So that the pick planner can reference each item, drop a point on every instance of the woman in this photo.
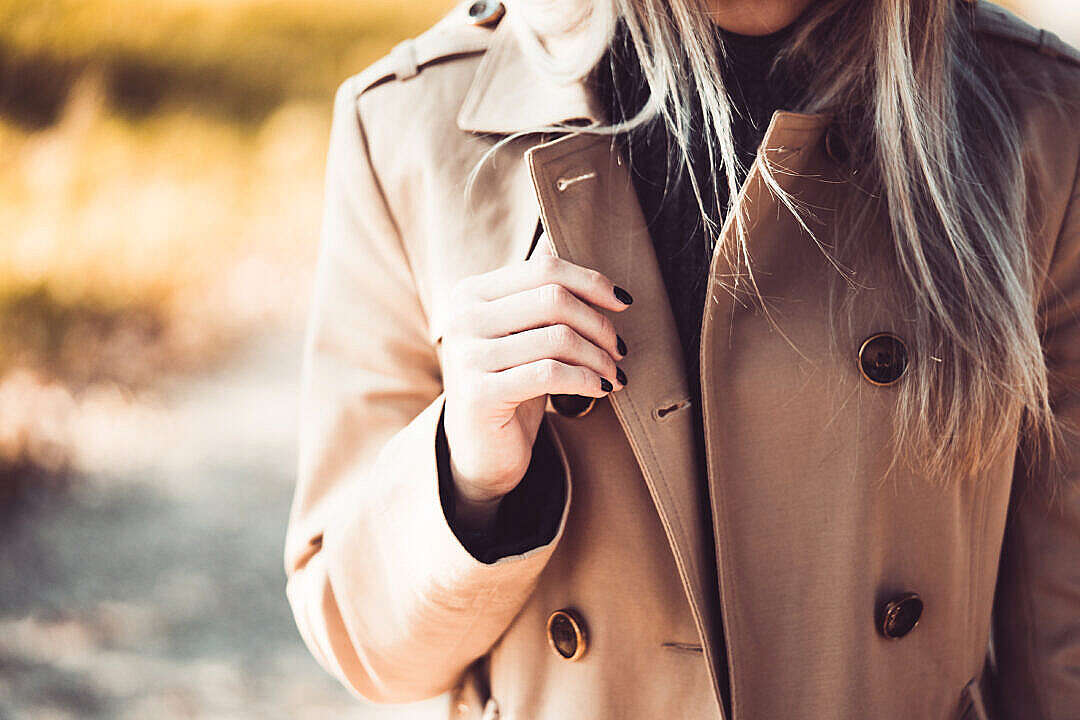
(621, 403)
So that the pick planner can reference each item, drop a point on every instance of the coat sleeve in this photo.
(528, 516)
(384, 594)
(1036, 644)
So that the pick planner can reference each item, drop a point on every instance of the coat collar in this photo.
(508, 93)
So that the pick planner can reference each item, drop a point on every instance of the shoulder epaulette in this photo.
(996, 20)
(459, 32)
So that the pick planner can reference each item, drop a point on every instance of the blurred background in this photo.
(161, 168)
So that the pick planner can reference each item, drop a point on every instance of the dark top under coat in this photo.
(664, 190)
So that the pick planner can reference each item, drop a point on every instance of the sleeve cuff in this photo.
(528, 516)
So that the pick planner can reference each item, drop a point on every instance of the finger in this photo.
(547, 305)
(558, 342)
(547, 377)
(590, 285)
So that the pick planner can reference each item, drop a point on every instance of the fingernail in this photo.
(620, 344)
(620, 375)
(606, 385)
(622, 296)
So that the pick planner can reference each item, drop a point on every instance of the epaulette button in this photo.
(486, 13)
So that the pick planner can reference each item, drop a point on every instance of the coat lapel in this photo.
(592, 217)
(508, 93)
(590, 211)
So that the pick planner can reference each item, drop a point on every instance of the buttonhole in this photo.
(662, 412)
(683, 647)
(564, 182)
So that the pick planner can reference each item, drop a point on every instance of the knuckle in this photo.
(469, 353)
(563, 296)
(459, 320)
(560, 337)
(599, 282)
(547, 265)
(461, 289)
(547, 371)
(553, 296)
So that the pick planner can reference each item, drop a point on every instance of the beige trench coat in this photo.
(811, 552)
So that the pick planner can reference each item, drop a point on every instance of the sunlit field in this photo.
(161, 184)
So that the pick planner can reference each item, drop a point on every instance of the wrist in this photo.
(473, 510)
(475, 516)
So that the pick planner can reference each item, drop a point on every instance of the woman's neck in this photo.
(755, 17)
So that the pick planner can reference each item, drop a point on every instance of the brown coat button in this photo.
(883, 357)
(566, 634)
(486, 12)
(900, 615)
(572, 405)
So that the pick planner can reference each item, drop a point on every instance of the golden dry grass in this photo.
(206, 224)
(161, 187)
(234, 57)
(189, 221)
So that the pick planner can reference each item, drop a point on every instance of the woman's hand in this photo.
(515, 335)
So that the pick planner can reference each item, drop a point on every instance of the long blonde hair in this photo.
(939, 152)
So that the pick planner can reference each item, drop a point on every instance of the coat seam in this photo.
(978, 530)
(1026, 609)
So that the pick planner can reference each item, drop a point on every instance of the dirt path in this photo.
(155, 588)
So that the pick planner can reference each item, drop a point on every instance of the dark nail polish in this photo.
(606, 385)
(620, 375)
(620, 344)
(622, 296)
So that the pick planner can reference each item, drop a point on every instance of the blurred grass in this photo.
(161, 187)
(193, 223)
(163, 160)
(238, 58)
